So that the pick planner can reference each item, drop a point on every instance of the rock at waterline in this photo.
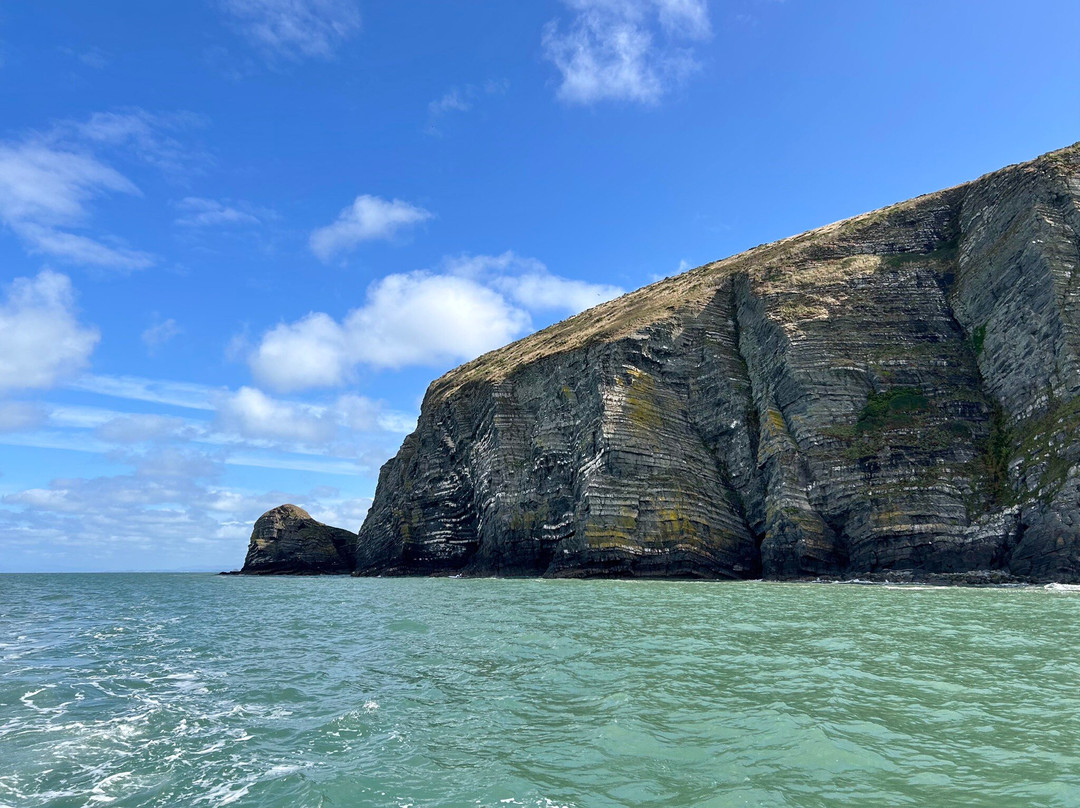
(287, 541)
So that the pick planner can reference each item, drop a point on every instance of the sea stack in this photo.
(287, 541)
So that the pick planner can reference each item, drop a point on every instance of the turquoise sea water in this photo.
(198, 690)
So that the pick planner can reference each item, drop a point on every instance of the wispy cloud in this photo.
(198, 212)
(44, 190)
(49, 181)
(17, 416)
(368, 218)
(186, 395)
(295, 29)
(457, 100)
(630, 50)
(158, 334)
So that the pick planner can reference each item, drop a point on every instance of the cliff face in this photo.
(287, 541)
(895, 391)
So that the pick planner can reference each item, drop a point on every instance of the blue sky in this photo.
(239, 237)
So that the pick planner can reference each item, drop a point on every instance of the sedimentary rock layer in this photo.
(897, 391)
(287, 541)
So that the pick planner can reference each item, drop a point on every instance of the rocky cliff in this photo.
(897, 391)
(287, 541)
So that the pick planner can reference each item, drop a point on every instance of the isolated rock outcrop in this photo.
(897, 391)
(287, 541)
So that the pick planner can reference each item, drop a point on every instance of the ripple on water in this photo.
(161, 690)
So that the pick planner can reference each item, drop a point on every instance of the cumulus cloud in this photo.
(295, 29)
(252, 413)
(311, 352)
(368, 218)
(632, 50)
(476, 304)
(41, 338)
(417, 318)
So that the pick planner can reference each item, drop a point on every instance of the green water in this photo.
(197, 690)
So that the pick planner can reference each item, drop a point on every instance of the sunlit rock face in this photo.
(897, 391)
(287, 541)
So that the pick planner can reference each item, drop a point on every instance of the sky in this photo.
(239, 238)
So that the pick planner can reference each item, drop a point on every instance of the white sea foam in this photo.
(1055, 587)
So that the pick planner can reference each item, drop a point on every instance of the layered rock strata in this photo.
(287, 541)
(898, 391)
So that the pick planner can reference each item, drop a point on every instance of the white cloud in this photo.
(44, 189)
(312, 352)
(254, 414)
(528, 282)
(168, 513)
(47, 182)
(460, 99)
(186, 395)
(198, 212)
(158, 334)
(421, 318)
(140, 133)
(141, 427)
(477, 304)
(78, 249)
(296, 29)
(687, 18)
(631, 50)
(541, 290)
(366, 219)
(51, 186)
(16, 416)
(41, 339)
(417, 318)
(451, 101)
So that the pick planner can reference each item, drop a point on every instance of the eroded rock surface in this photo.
(897, 391)
(287, 541)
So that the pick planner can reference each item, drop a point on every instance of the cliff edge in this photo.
(897, 391)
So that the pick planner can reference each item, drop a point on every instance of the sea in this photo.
(202, 690)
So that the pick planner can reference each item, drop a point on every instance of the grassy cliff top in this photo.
(877, 232)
